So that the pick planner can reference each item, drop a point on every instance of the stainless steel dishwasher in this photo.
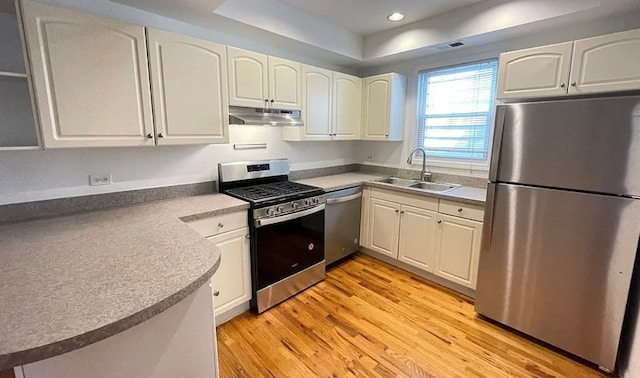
(342, 223)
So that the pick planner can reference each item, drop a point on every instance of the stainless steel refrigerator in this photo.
(563, 222)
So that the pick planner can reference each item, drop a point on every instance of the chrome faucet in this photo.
(425, 174)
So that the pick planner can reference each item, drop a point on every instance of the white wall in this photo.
(38, 175)
(395, 154)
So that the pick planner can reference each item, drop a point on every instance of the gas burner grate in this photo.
(264, 192)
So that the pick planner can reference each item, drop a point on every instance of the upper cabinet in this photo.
(607, 63)
(248, 78)
(383, 110)
(347, 107)
(189, 86)
(285, 84)
(261, 81)
(536, 72)
(91, 78)
(331, 107)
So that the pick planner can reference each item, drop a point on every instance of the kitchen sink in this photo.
(433, 186)
(397, 181)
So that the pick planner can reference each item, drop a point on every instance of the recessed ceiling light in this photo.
(395, 16)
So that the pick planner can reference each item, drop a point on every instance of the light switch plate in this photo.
(100, 180)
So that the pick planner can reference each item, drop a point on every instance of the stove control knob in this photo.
(279, 209)
(294, 205)
(315, 201)
(270, 211)
(307, 202)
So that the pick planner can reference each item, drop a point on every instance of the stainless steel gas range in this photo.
(286, 223)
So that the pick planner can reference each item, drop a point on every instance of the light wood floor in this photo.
(368, 319)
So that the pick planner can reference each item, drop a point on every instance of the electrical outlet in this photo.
(100, 179)
(369, 158)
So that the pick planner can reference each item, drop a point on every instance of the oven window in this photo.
(286, 248)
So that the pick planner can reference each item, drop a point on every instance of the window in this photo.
(455, 111)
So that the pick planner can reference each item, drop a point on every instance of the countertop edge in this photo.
(64, 346)
(444, 196)
(209, 214)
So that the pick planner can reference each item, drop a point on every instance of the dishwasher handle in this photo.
(333, 201)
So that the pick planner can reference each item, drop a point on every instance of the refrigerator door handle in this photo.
(489, 218)
(501, 111)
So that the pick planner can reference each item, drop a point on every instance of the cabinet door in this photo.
(189, 85)
(457, 250)
(377, 97)
(248, 78)
(417, 237)
(91, 78)
(232, 281)
(384, 225)
(347, 107)
(537, 72)
(285, 89)
(316, 103)
(606, 64)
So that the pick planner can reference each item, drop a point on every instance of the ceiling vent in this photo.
(449, 46)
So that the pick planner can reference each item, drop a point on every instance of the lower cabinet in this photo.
(457, 249)
(232, 281)
(436, 236)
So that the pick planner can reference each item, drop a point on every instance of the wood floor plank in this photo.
(370, 319)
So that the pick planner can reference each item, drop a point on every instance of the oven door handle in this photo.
(265, 222)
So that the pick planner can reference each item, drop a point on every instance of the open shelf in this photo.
(13, 74)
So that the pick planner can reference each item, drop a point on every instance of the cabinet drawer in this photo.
(219, 224)
(458, 209)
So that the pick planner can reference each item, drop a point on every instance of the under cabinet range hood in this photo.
(239, 115)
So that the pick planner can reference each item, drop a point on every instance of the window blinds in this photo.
(455, 110)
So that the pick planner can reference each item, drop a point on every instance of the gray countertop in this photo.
(464, 194)
(71, 281)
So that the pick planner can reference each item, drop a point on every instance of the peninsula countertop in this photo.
(68, 282)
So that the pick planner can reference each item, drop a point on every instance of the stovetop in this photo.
(273, 192)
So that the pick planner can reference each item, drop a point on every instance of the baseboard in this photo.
(232, 313)
(419, 272)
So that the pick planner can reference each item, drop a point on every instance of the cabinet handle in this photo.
(397, 211)
(439, 222)
(272, 101)
(574, 84)
(150, 136)
(220, 225)
(562, 85)
(160, 135)
(402, 212)
(216, 292)
(459, 209)
(247, 236)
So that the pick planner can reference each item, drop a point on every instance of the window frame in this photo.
(454, 165)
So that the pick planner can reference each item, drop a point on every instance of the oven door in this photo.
(288, 244)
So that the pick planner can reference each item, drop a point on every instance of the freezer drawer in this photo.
(557, 265)
(342, 223)
(588, 145)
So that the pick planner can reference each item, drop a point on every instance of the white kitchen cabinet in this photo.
(232, 281)
(331, 107)
(347, 107)
(384, 226)
(383, 109)
(189, 86)
(457, 250)
(285, 84)
(91, 78)
(248, 78)
(417, 237)
(535, 72)
(316, 105)
(608, 63)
